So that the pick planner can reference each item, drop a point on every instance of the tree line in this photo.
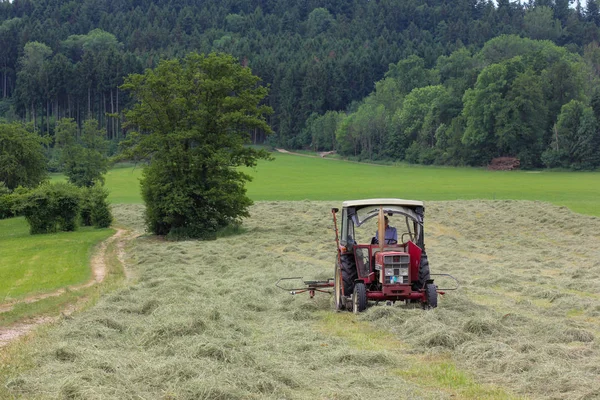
(515, 97)
(80, 82)
(67, 59)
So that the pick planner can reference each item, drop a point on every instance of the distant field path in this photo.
(98, 264)
(284, 151)
(321, 154)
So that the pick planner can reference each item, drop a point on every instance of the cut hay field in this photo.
(204, 320)
(292, 177)
(33, 264)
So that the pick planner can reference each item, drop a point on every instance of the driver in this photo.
(391, 235)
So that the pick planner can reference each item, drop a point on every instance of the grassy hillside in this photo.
(205, 321)
(292, 177)
(32, 264)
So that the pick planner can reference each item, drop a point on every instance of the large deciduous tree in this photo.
(22, 160)
(506, 113)
(576, 141)
(194, 117)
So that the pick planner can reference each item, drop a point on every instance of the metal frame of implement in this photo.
(309, 286)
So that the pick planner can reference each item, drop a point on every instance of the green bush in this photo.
(554, 158)
(52, 207)
(4, 189)
(86, 211)
(22, 158)
(5, 202)
(11, 201)
(6, 206)
(95, 210)
(421, 154)
(186, 209)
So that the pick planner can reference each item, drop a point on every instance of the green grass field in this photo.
(292, 177)
(31, 264)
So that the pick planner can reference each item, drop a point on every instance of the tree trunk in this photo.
(103, 114)
(118, 117)
(112, 112)
(48, 117)
(333, 141)
(33, 114)
(4, 79)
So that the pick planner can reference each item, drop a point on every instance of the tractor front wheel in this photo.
(359, 298)
(430, 296)
(337, 287)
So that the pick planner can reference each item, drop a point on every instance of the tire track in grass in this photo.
(430, 372)
(98, 265)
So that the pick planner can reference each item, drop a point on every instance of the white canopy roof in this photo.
(382, 202)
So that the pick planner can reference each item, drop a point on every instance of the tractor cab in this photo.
(381, 254)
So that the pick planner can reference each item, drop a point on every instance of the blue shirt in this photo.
(390, 234)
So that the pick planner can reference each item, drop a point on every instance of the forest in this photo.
(436, 81)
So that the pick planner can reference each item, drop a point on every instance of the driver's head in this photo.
(386, 223)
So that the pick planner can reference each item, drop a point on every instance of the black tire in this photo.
(337, 287)
(359, 298)
(349, 273)
(431, 295)
(423, 271)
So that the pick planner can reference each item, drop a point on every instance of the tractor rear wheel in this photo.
(359, 298)
(423, 271)
(349, 273)
(431, 296)
(337, 287)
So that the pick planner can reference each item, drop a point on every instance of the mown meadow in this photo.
(203, 320)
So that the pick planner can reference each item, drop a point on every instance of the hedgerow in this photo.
(63, 206)
(95, 210)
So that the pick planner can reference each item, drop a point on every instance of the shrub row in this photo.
(94, 207)
(10, 200)
(57, 207)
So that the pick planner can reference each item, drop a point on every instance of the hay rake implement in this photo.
(308, 286)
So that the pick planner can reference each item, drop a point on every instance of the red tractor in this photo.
(376, 263)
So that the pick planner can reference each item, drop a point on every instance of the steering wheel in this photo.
(374, 240)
